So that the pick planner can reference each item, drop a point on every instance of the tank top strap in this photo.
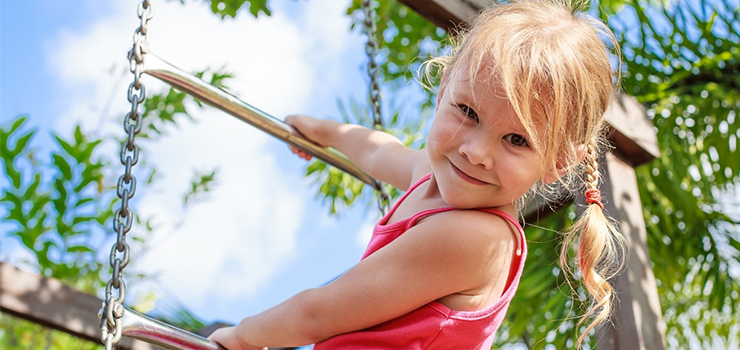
(387, 216)
(421, 181)
(418, 216)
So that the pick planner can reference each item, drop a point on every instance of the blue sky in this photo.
(261, 236)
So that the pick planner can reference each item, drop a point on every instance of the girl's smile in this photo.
(467, 177)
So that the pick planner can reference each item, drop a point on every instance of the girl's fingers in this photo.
(300, 153)
(305, 155)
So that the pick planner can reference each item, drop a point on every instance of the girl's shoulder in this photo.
(473, 225)
(485, 220)
(472, 251)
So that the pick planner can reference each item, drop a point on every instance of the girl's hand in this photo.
(308, 128)
(227, 338)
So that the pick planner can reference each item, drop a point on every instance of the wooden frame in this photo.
(53, 304)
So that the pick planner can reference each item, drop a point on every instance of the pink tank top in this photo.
(432, 326)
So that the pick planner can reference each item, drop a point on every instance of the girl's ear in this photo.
(552, 176)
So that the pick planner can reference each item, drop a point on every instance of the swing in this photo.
(117, 320)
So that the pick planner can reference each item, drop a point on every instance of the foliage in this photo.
(56, 213)
(340, 190)
(230, 8)
(399, 58)
(60, 207)
(19, 334)
(543, 311)
(684, 65)
(405, 40)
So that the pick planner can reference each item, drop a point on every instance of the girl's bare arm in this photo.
(431, 260)
(381, 155)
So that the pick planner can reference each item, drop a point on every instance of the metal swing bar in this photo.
(155, 332)
(227, 102)
(139, 326)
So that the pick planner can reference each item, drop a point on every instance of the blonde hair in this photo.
(551, 60)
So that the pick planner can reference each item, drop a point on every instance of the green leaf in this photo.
(81, 219)
(60, 202)
(66, 146)
(15, 176)
(22, 142)
(83, 201)
(63, 166)
(80, 249)
(734, 243)
(18, 123)
(231, 7)
(78, 136)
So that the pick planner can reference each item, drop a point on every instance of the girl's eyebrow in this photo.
(456, 93)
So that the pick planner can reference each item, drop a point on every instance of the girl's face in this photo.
(479, 150)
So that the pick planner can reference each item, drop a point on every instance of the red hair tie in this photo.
(594, 197)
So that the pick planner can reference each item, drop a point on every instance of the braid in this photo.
(601, 249)
(593, 194)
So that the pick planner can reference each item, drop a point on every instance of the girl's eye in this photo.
(469, 112)
(516, 140)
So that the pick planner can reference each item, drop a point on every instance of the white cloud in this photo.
(235, 241)
(364, 233)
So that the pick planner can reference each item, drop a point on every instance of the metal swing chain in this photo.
(112, 312)
(371, 49)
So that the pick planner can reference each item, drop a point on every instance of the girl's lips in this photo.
(467, 177)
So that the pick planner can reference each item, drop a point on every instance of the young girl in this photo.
(519, 107)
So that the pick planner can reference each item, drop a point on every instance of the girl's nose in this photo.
(478, 152)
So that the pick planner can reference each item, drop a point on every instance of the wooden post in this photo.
(637, 321)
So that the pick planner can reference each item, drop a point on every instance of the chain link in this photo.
(112, 311)
(371, 49)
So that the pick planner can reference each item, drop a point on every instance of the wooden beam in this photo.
(634, 137)
(51, 303)
(447, 14)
